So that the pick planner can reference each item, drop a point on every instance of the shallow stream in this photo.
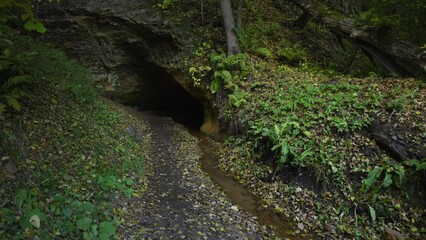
(238, 194)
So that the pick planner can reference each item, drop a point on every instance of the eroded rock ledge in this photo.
(135, 54)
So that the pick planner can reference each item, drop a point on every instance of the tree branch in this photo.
(399, 57)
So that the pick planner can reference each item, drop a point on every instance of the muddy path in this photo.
(182, 202)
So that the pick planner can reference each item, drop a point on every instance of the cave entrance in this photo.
(161, 95)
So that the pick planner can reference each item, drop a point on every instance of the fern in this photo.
(12, 92)
(227, 70)
(238, 98)
(2, 109)
(215, 85)
(25, 62)
(5, 63)
(420, 165)
(17, 80)
(13, 103)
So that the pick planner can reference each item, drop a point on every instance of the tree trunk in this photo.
(399, 57)
(229, 24)
(202, 11)
(240, 13)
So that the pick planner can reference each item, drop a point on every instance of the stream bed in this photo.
(239, 194)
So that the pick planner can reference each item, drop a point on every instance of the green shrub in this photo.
(66, 217)
(252, 38)
(67, 193)
(293, 53)
(294, 113)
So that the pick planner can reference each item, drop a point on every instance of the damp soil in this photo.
(181, 201)
(239, 194)
(188, 195)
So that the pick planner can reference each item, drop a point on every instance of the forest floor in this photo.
(181, 201)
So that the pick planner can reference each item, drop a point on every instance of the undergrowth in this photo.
(64, 154)
(319, 125)
(310, 121)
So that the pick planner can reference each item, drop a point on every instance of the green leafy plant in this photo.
(204, 48)
(198, 73)
(419, 165)
(27, 15)
(165, 4)
(111, 183)
(28, 214)
(372, 212)
(228, 71)
(238, 97)
(401, 100)
(25, 63)
(284, 139)
(254, 37)
(68, 198)
(293, 53)
(13, 91)
(289, 117)
(68, 215)
(388, 15)
(220, 76)
(264, 52)
(388, 173)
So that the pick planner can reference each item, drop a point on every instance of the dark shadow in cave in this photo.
(161, 95)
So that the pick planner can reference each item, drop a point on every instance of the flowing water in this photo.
(238, 194)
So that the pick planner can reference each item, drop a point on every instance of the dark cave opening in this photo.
(161, 95)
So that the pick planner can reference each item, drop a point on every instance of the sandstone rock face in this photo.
(135, 54)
